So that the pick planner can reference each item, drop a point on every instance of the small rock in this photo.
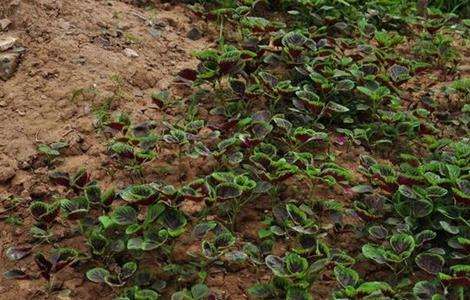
(3, 104)
(194, 34)
(85, 147)
(124, 27)
(155, 32)
(38, 191)
(87, 109)
(7, 43)
(84, 125)
(130, 53)
(8, 168)
(190, 207)
(172, 22)
(79, 60)
(65, 25)
(161, 23)
(139, 94)
(64, 294)
(4, 23)
(8, 65)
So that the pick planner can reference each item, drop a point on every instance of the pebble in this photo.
(161, 23)
(194, 34)
(8, 168)
(130, 53)
(139, 94)
(7, 43)
(155, 32)
(4, 23)
(8, 65)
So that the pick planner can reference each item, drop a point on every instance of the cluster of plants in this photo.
(420, 226)
(303, 107)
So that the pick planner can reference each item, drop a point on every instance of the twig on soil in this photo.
(36, 137)
(142, 18)
(68, 132)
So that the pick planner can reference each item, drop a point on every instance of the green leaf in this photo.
(430, 262)
(135, 243)
(337, 107)
(38, 209)
(133, 228)
(433, 178)
(98, 243)
(146, 294)
(106, 221)
(453, 171)
(294, 40)
(449, 228)
(76, 208)
(424, 236)
(262, 291)
(378, 232)
(199, 291)
(295, 264)
(365, 90)
(224, 240)
(93, 193)
(294, 293)
(406, 192)
(97, 275)
(373, 287)
(402, 244)
(154, 211)
(276, 264)
(16, 274)
(139, 194)
(460, 269)
(414, 208)
(399, 73)
(181, 295)
(346, 276)
(345, 85)
(436, 191)
(362, 189)
(424, 290)
(228, 191)
(374, 252)
(174, 221)
(45, 149)
(128, 269)
(124, 215)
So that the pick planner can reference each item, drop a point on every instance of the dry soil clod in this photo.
(130, 53)
(8, 65)
(7, 42)
(7, 168)
(4, 24)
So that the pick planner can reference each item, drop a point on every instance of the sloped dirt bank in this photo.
(76, 56)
